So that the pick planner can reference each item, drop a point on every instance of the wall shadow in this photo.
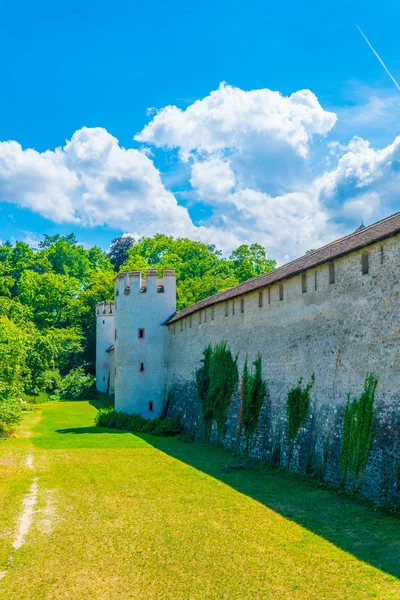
(350, 524)
(82, 430)
(353, 525)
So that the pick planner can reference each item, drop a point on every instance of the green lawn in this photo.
(125, 516)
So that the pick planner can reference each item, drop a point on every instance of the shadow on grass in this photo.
(354, 526)
(97, 403)
(81, 430)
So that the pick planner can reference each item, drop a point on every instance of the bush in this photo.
(216, 380)
(51, 380)
(10, 414)
(358, 430)
(112, 419)
(298, 403)
(39, 399)
(76, 385)
(253, 393)
(169, 427)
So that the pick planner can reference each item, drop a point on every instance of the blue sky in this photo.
(286, 168)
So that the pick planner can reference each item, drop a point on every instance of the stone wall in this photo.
(339, 331)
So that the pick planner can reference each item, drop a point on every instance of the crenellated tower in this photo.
(104, 341)
(142, 307)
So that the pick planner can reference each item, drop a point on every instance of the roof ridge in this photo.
(317, 257)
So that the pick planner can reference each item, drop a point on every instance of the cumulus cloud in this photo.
(259, 138)
(364, 178)
(91, 181)
(227, 116)
(249, 155)
(213, 178)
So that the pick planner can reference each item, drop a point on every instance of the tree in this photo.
(53, 298)
(251, 261)
(118, 253)
(49, 240)
(12, 356)
(200, 269)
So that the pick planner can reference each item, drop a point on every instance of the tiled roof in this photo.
(355, 241)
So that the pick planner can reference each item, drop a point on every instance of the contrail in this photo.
(378, 57)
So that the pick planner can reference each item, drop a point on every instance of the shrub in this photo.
(112, 419)
(203, 386)
(169, 427)
(10, 414)
(216, 381)
(298, 403)
(39, 399)
(76, 385)
(253, 393)
(51, 380)
(358, 430)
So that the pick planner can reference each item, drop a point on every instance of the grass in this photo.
(151, 518)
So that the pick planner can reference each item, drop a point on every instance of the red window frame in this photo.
(141, 367)
(150, 405)
(140, 333)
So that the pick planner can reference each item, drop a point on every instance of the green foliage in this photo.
(119, 247)
(166, 427)
(298, 403)
(167, 404)
(10, 414)
(251, 261)
(48, 297)
(203, 386)
(358, 430)
(76, 385)
(253, 392)
(216, 380)
(40, 398)
(12, 357)
(200, 268)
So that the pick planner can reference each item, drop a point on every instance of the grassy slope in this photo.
(149, 518)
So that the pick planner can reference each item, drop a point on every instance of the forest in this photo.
(48, 296)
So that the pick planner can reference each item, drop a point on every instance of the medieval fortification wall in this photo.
(340, 331)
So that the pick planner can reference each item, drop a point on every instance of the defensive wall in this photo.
(333, 313)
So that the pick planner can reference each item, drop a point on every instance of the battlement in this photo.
(132, 282)
(105, 308)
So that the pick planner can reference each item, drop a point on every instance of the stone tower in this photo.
(142, 307)
(104, 340)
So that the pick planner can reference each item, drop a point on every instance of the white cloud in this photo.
(213, 178)
(39, 181)
(286, 225)
(259, 139)
(364, 178)
(91, 181)
(229, 116)
(249, 155)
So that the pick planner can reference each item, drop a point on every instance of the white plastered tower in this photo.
(104, 341)
(142, 307)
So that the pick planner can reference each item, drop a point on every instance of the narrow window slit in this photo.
(331, 272)
(365, 263)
